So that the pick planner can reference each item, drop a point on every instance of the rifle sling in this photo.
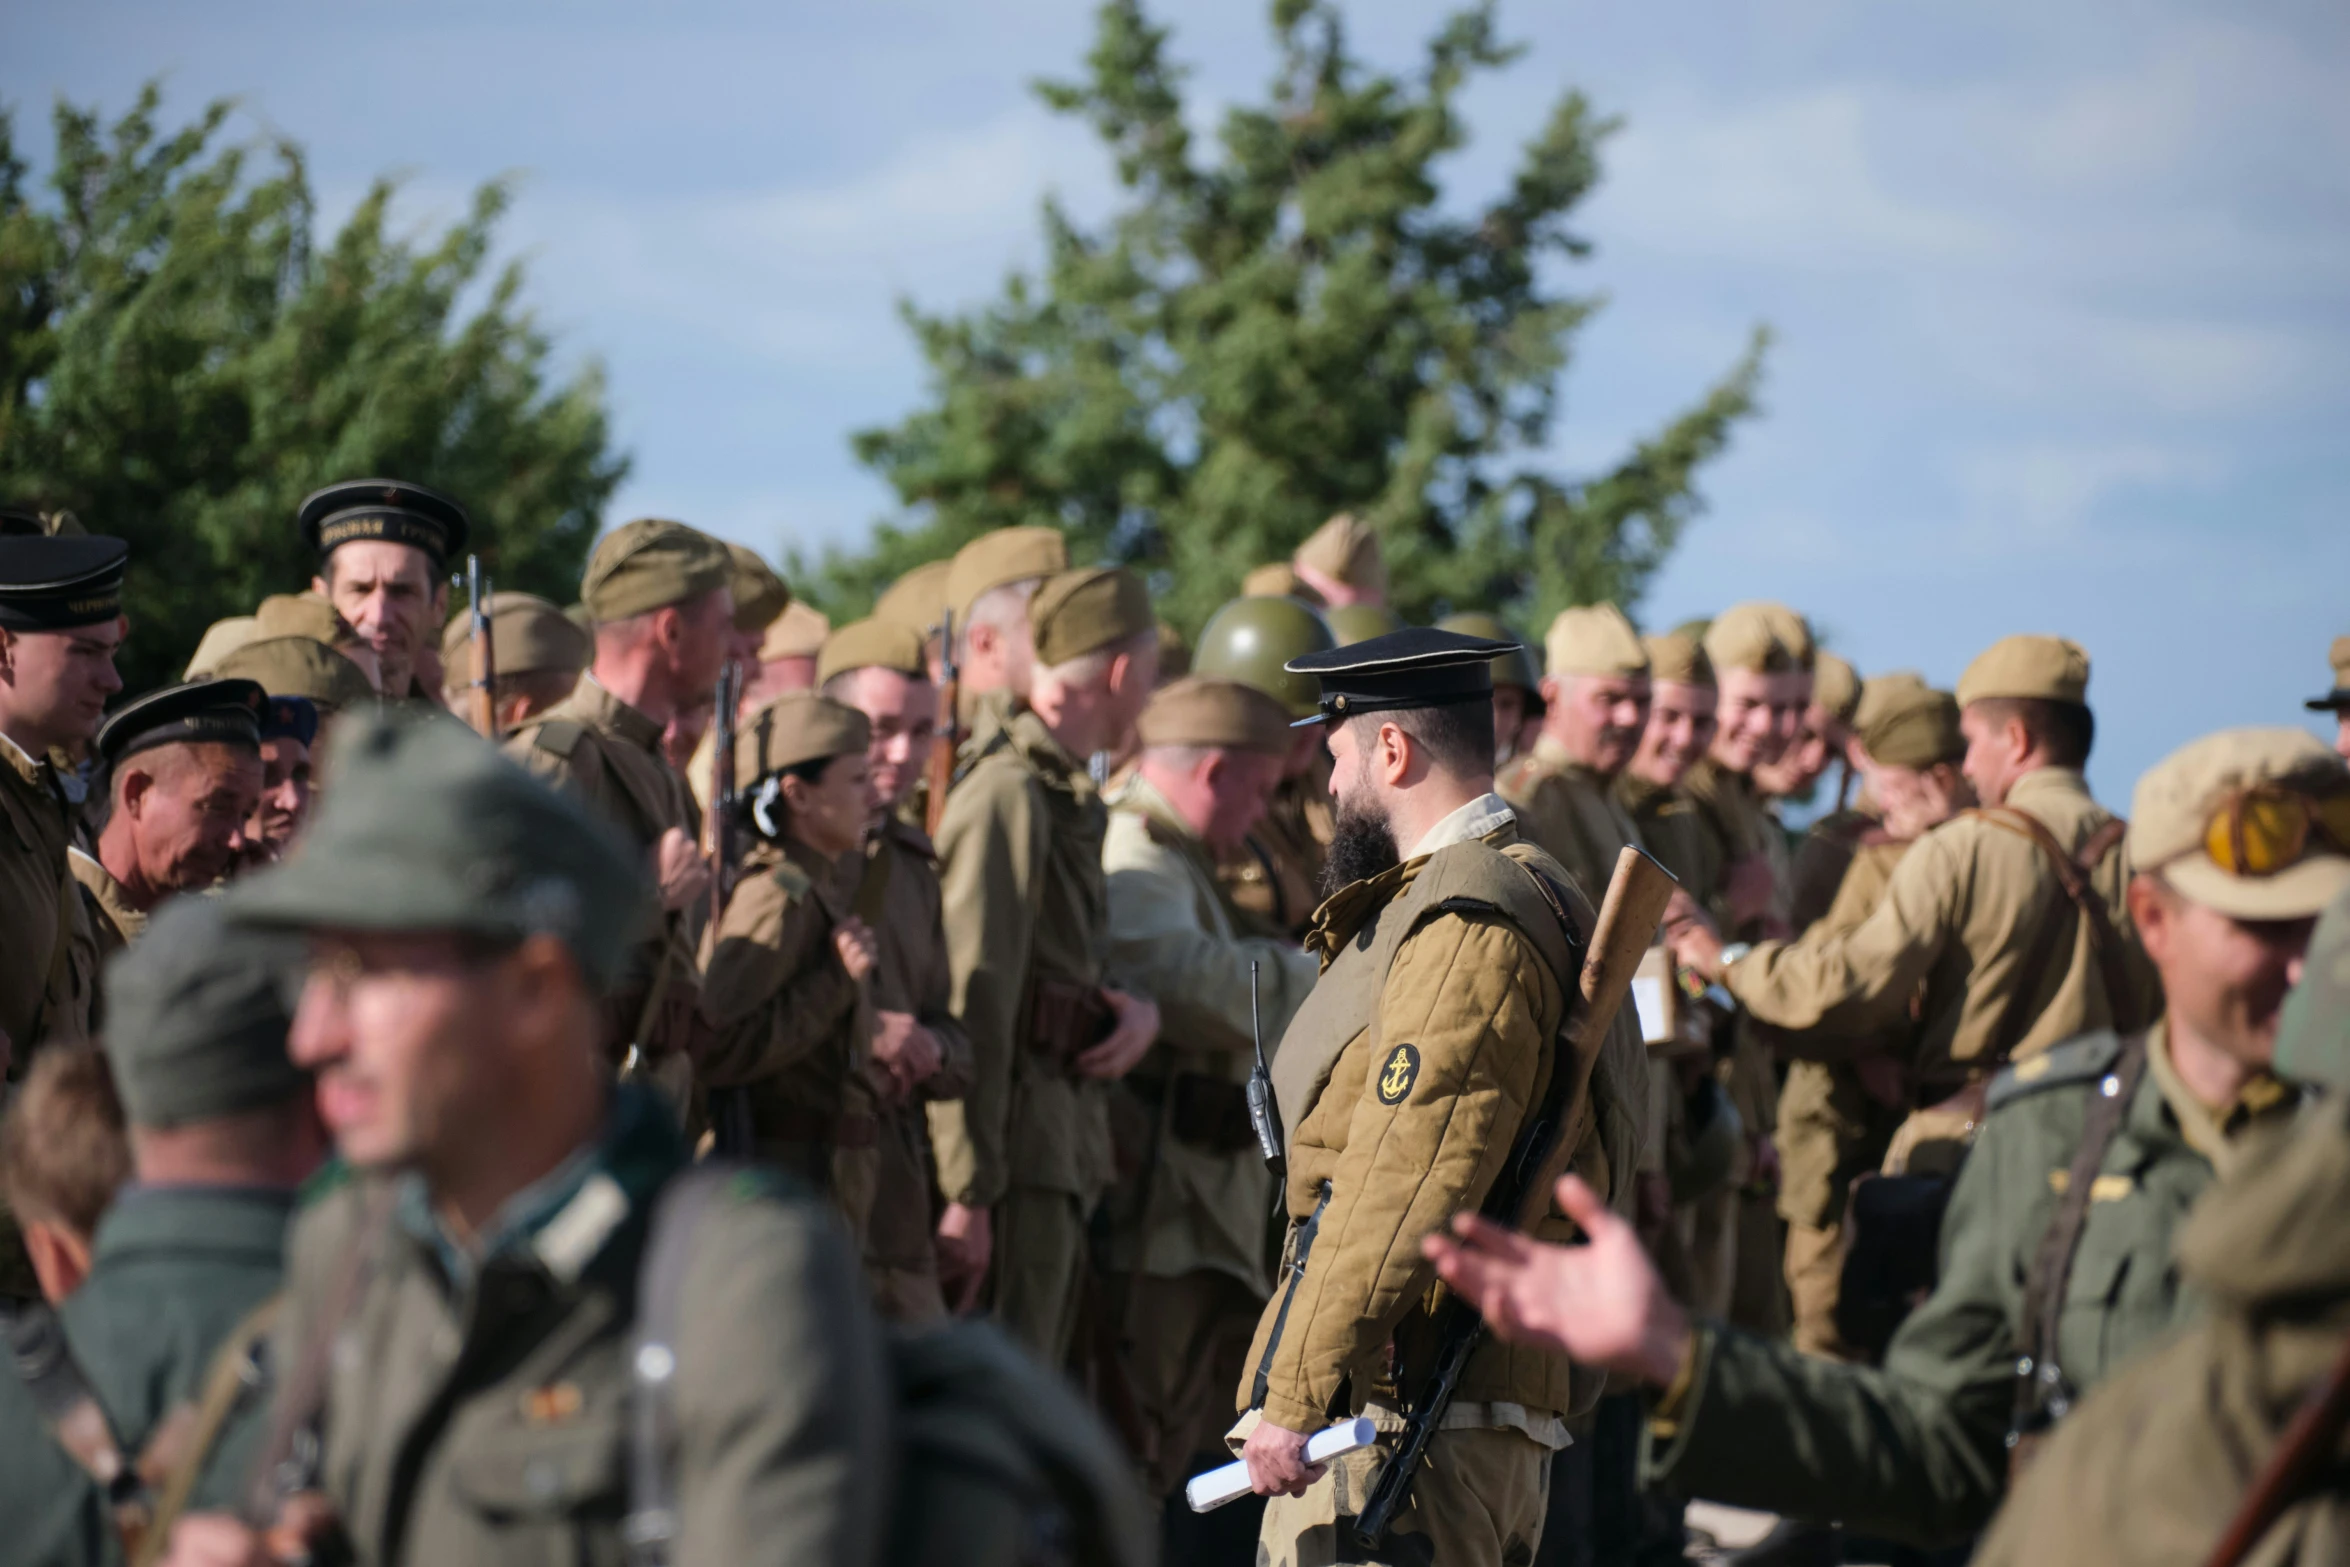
(2072, 875)
(235, 1378)
(1300, 1250)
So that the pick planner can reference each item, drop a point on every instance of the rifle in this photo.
(718, 825)
(2301, 1454)
(941, 776)
(485, 661)
(1521, 1194)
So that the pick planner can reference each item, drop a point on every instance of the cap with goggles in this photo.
(2252, 823)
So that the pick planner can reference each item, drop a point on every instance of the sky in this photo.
(2060, 293)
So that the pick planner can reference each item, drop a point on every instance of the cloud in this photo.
(2048, 496)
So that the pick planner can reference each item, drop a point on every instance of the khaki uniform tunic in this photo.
(1570, 812)
(1272, 881)
(39, 910)
(109, 923)
(599, 749)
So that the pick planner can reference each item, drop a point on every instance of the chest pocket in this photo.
(544, 1489)
(2123, 1287)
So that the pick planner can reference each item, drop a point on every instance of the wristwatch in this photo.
(1734, 951)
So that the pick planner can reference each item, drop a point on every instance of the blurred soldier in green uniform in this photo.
(918, 1049)
(1027, 934)
(164, 1339)
(1187, 1239)
(466, 1303)
(787, 998)
(2056, 1249)
(2161, 1460)
(2337, 701)
(661, 597)
(384, 548)
(1272, 880)
(1596, 696)
(1517, 684)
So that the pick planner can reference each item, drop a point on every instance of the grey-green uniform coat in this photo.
(1917, 1450)
(477, 1410)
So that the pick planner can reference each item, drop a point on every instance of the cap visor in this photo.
(2332, 702)
(2298, 892)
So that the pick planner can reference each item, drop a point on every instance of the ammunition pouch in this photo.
(1065, 1021)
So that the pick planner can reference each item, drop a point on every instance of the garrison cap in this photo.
(1835, 686)
(527, 634)
(424, 827)
(301, 615)
(2045, 669)
(197, 1012)
(1346, 548)
(32, 523)
(2338, 699)
(1081, 612)
(290, 718)
(2313, 1035)
(1000, 556)
(50, 583)
(1878, 690)
(1594, 639)
(1278, 580)
(1679, 658)
(874, 643)
(798, 632)
(1252, 640)
(1351, 623)
(220, 639)
(1174, 653)
(391, 510)
(1759, 636)
(917, 600)
(1913, 727)
(1206, 710)
(1418, 666)
(2178, 801)
(759, 594)
(300, 666)
(199, 712)
(651, 564)
(1515, 668)
(797, 727)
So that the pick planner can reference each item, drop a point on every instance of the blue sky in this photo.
(2062, 292)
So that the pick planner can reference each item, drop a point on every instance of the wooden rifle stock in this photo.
(2307, 1446)
(940, 776)
(483, 694)
(718, 822)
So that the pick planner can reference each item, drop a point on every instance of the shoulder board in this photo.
(559, 736)
(329, 1178)
(1524, 770)
(796, 883)
(2079, 1060)
(912, 838)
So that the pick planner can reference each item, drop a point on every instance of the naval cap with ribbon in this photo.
(199, 712)
(1418, 666)
(392, 511)
(52, 583)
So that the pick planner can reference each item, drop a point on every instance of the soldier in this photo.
(785, 996)
(2162, 1460)
(182, 774)
(1447, 974)
(2056, 1247)
(1820, 737)
(1828, 847)
(61, 625)
(1271, 880)
(308, 615)
(1677, 736)
(2338, 699)
(786, 654)
(536, 655)
(220, 639)
(465, 1302)
(1762, 656)
(1341, 562)
(1596, 705)
(918, 602)
(1027, 931)
(1187, 1239)
(164, 1337)
(289, 728)
(303, 667)
(384, 548)
(989, 586)
(881, 669)
(663, 607)
(1518, 705)
(63, 1155)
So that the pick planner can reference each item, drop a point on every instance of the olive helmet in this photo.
(1514, 668)
(1250, 639)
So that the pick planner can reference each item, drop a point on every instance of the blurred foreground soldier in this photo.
(1027, 922)
(2056, 1250)
(462, 1311)
(785, 972)
(1271, 880)
(182, 768)
(1341, 561)
(664, 617)
(60, 626)
(1596, 706)
(384, 548)
(2163, 1461)
(919, 1052)
(166, 1336)
(989, 587)
(1518, 705)
(289, 730)
(536, 655)
(1187, 1242)
(1447, 972)
(2337, 700)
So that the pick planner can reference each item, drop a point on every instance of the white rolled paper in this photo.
(1207, 1492)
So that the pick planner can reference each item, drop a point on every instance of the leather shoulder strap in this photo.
(2105, 943)
(178, 1451)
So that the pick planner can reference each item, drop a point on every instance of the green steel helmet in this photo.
(1352, 623)
(1250, 639)
(1514, 668)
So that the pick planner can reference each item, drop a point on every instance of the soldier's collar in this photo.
(2216, 1132)
(1351, 907)
(26, 765)
(628, 723)
(1479, 818)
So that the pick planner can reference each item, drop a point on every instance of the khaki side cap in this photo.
(1914, 727)
(798, 632)
(1001, 556)
(1347, 548)
(1204, 710)
(1594, 639)
(527, 634)
(298, 666)
(1761, 637)
(874, 643)
(2032, 668)
(2176, 799)
(1081, 612)
(651, 564)
(1835, 687)
(1679, 659)
(797, 727)
(917, 600)
(759, 594)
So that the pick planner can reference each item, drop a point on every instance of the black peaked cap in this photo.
(1418, 666)
(54, 583)
(221, 712)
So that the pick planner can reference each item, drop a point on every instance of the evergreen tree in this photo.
(180, 365)
(1292, 326)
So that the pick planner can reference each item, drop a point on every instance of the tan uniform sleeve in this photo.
(1859, 979)
(934, 1010)
(991, 856)
(1475, 1000)
(772, 987)
(1199, 979)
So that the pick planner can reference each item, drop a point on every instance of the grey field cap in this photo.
(197, 1012)
(423, 826)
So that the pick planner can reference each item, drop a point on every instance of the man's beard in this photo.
(1362, 846)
